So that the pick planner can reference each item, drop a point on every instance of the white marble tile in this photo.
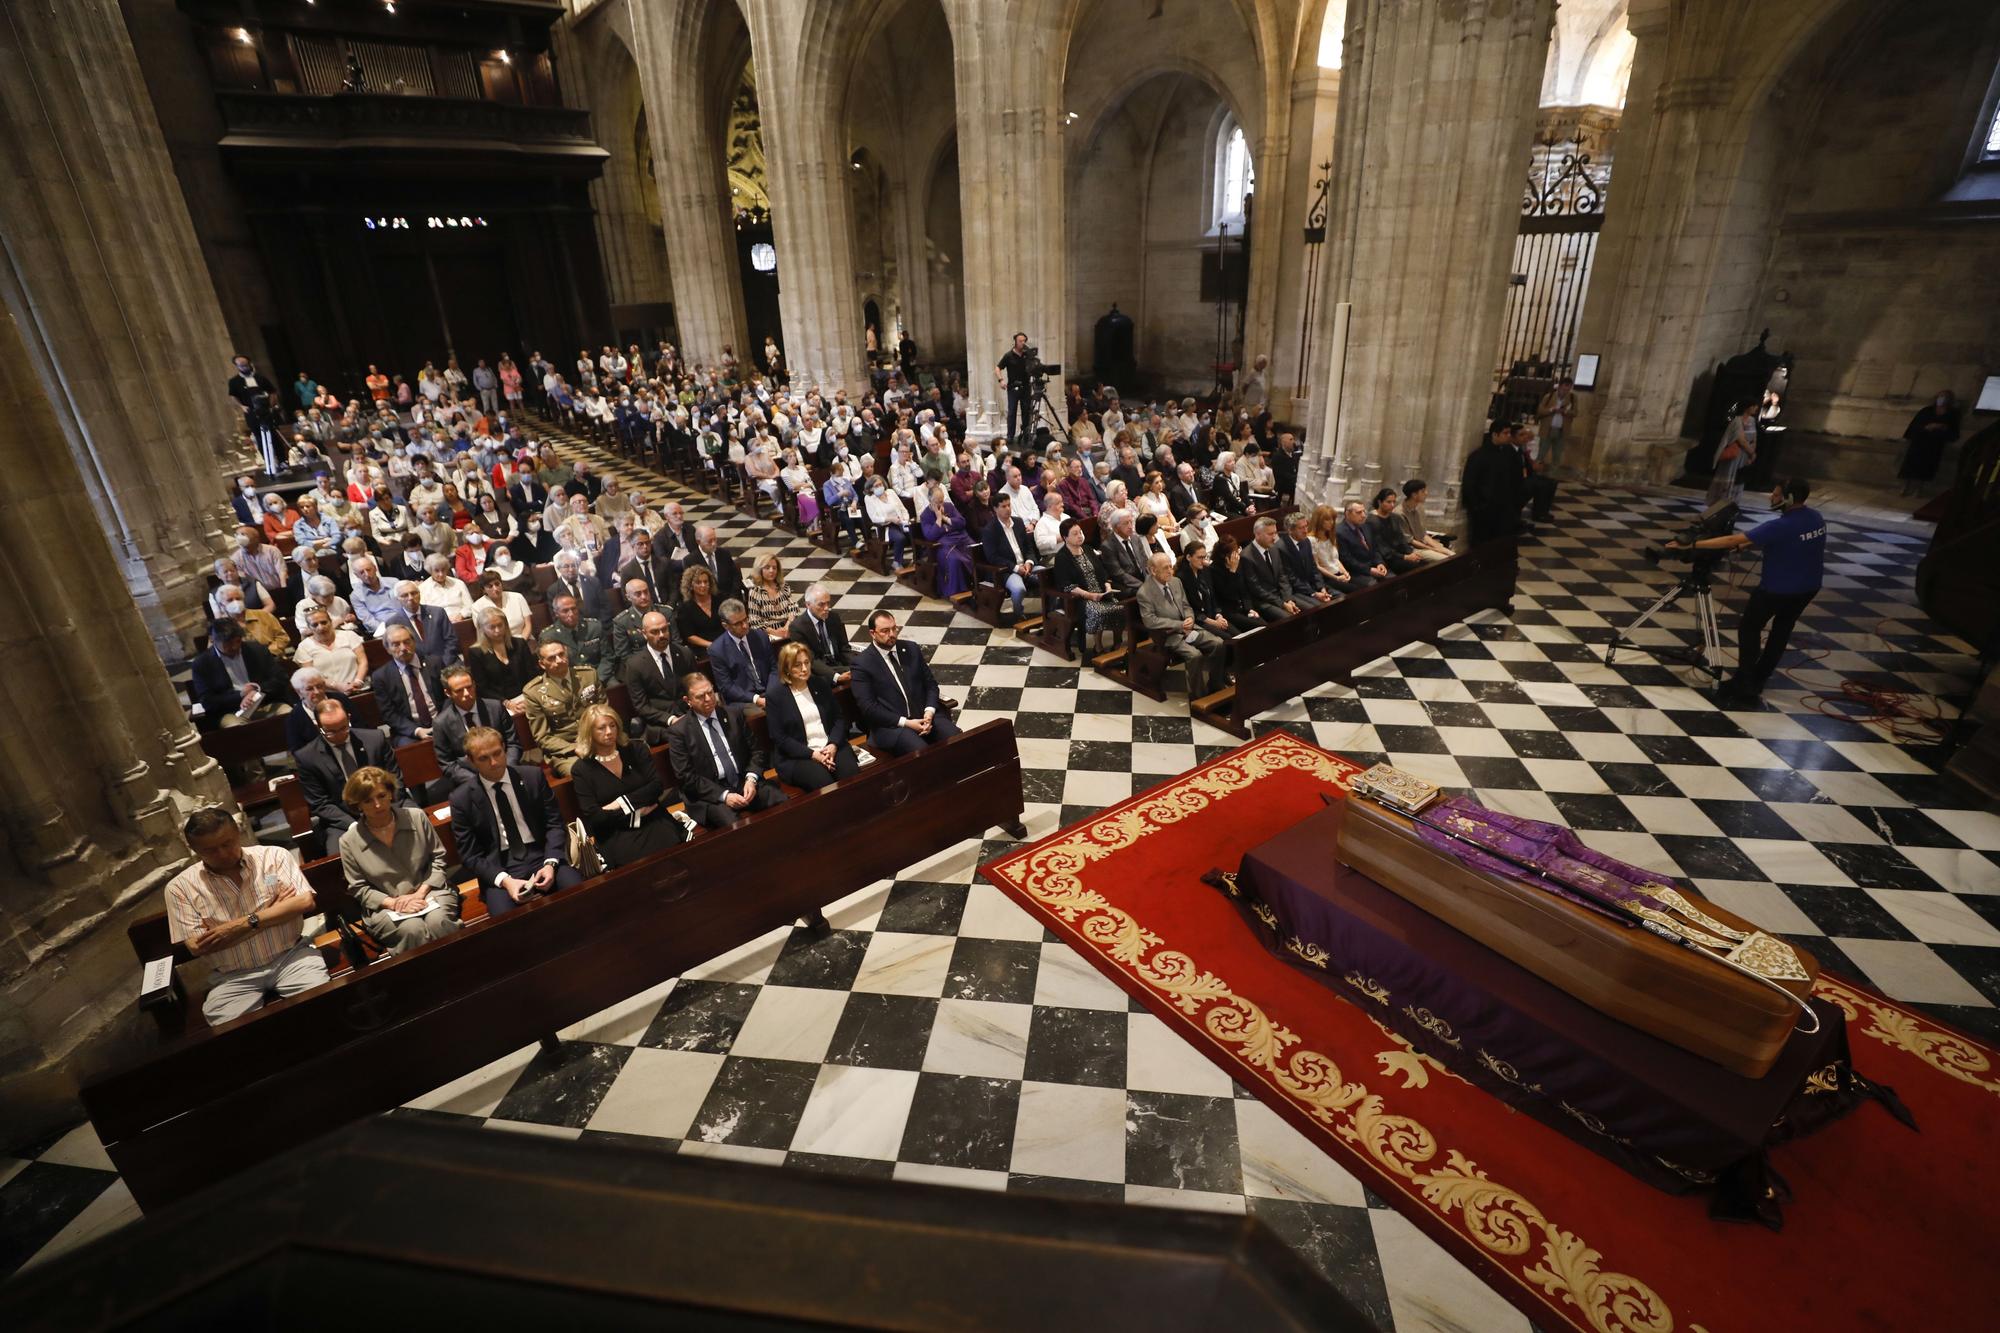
(1083, 787)
(1878, 756)
(749, 963)
(79, 1147)
(621, 1024)
(1439, 769)
(1043, 752)
(991, 915)
(1202, 1201)
(100, 1217)
(1485, 742)
(1522, 803)
(733, 1152)
(1519, 717)
(1003, 677)
(1281, 1163)
(1066, 979)
(1739, 752)
(1159, 1059)
(1074, 1132)
(480, 1091)
(1341, 737)
(1758, 902)
(1097, 726)
(538, 1131)
(964, 1177)
(856, 1112)
(1908, 970)
(1671, 815)
(1042, 700)
(1606, 747)
(1396, 713)
(1565, 775)
(1701, 782)
(979, 1037)
(1165, 759)
(1555, 694)
(1936, 918)
(859, 910)
(899, 964)
(1771, 727)
(1824, 823)
(1641, 722)
(1439, 689)
(1853, 789)
(657, 1093)
(1431, 1292)
(1975, 828)
(1638, 848)
(790, 1023)
(1787, 862)
(1956, 869)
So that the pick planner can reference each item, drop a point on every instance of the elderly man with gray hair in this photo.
(823, 635)
(1164, 611)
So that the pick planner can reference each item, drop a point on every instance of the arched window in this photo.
(1235, 177)
(1991, 153)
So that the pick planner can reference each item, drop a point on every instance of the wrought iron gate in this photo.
(1562, 211)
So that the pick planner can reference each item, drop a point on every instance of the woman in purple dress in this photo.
(944, 526)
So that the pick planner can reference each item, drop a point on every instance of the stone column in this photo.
(117, 313)
(812, 221)
(672, 40)
(97, 760)
(625, 202)
(1009, 64)
(1437, 112)
(1314, 102)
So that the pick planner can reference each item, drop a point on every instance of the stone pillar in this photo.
(97, 760)
(1314, 102)
(117, 314)
(1437, 113)
(629, 236)
(1009, 64)
(671, 42)
(812, 219)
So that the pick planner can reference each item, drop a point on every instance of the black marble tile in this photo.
(1052, 678)
(1000, 970)
(701, 1016)
(1337, 1242)
(958, 1120)
(29, 1149)
(1070, 814)
(1847, 912)
(1615, 696)
(956, 675)
(1423, 668)
(1044, 726)
(1977, 963)
(755, 1103)
(1571, 718)
(1006, 654)
(1043, 785)
(1634, 779)
(1084, 1046)
(1177, 1141)
(1104, 701)
(1747, 819)
(1494, 692)
(1647, 673)
(1162, 730)
(563, 1087)
(830, 961)
(1540, 744)
(1409, 740)
(1456, 713)
(994, 698)
(921, 908)
(1875, 867)
(1811, 756)
(1836, 728)
(1596, 811)
(1779, 784)
(826, 1165)
(1701, 856)
(961, 635)
(1929, 791)
(39, 1201)
(1101, 756)
(1985, 904)
(1672, 750)
(1323, 709)
(1099, 1191)
(1383, 687)
(1536, 672)
(883, 1031)
(1705, 724)
(1496, 772)
(1464, 650)
(1903, 827)
(1208, 754)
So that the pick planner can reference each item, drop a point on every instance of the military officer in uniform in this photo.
(628, 632)
(555, 701)
(583, 635)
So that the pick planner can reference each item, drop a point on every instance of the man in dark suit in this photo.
(508, 829)
(246, 383)
(1007, 544)
(326, 764)
(673, 538)
(1357, 548)
(742, 658)
(895, 692)
(464, 713)
(1265, 580)
(233, 672)
(1300, 567)
(661, 575)
(1491, 487)
(718, 762)
(407, 689)
(1284, 464)
(719, 562)
(437, 641)
(582, 584)
(527, 495)
(652, 676)
(823, 635)
(581, 482)
(1127, 557)
(1182, 492)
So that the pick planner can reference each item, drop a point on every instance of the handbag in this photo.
(583, 851)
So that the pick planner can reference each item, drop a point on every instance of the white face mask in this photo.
(247, 484)
(234, 608)
(243, 540)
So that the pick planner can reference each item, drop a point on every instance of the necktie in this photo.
(470, 721)
(510, 828)
(896, 673)
(420, 698)
(726, 760)
(826, 639)
(350, 757)
(660, 662)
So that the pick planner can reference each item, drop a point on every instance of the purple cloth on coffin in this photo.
(1667, 1116)
(1568, 868)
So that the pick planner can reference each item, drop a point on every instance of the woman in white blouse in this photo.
(887, 511)
(1197, 529)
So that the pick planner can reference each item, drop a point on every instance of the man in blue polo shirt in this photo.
(1794, 546)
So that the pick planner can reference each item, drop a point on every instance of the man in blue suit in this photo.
(895, 692)
(508, 829)
(437, 641)
(742, 659)
(407, 689)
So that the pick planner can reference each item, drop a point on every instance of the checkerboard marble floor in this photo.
(940, 1034)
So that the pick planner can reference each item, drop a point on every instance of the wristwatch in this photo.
(253, 922)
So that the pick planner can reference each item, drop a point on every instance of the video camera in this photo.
(1717, 520)
(1039, 369)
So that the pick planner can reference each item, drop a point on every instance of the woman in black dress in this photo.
(1230, 594)
(500, 663)
(696, 616)
(1074, 571)
(618, 790)
(808, 733)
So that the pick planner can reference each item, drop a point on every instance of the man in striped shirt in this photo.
(239, 907)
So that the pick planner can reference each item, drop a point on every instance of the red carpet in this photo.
(1888, 1229)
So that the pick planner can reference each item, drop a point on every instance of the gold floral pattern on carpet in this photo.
(1946, 1052)
(1503, 1223)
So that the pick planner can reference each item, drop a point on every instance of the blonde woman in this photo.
(502, 663)
(617, 786)
(808, 731)
(771, 604)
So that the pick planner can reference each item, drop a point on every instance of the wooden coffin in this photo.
(1625, 972)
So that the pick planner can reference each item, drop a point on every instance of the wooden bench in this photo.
(1283, 661)
(371, 1040)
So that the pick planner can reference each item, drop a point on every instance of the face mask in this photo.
(534, 525)
(234, 608)
(243, 540)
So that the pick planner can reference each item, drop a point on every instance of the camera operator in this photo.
(1794, 546)
(1016, 371)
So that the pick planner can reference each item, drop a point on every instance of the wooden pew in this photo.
(1327, 643)
(369, 1041)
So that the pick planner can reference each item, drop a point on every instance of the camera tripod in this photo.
(1043, 415)
(1704, 656)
